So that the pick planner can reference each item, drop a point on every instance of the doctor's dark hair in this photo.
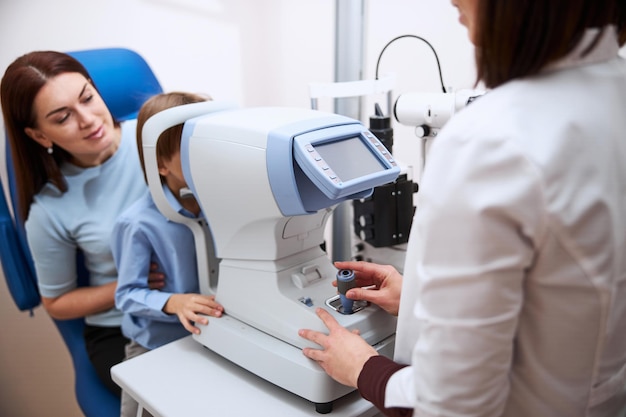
(169, 141)
(519, 38)
(22, 81)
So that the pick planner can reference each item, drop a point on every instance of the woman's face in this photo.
(467, 16)
(71, 115)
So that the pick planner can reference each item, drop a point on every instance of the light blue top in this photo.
(143, 235)
(83, 217)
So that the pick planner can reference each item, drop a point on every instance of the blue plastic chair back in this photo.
(125, 82)
(122, 77)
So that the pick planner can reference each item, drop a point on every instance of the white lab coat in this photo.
(514, 297)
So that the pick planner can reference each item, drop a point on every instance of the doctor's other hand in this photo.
(188, 308)
(156, 279)
(343, 352)
(385, 280)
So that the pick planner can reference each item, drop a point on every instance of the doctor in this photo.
(514, 296)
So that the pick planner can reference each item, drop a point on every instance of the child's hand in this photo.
(188, 307)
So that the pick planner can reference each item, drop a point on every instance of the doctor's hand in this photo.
(188, 308)
(344, 353)
(385, 280)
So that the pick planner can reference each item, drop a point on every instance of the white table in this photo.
(185, 379)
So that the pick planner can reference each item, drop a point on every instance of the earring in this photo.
(50, 150)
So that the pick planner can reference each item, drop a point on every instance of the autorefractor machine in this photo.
(267, 180)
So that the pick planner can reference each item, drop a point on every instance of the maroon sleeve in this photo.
(373, 381)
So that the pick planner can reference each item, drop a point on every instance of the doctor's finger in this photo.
(377, 272)
(365, 294)
(365, 268)
(315, 354)
(313, 336)
(365, 273)
(328, 320)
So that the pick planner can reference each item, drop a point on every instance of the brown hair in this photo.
(169, 140)
(519, 38)
(21, 83)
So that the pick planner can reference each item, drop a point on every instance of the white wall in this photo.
(229, 49)
(256, 52)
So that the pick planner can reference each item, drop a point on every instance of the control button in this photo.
(306, 276)
(306, 301)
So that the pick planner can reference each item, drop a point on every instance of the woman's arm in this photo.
(80, 302)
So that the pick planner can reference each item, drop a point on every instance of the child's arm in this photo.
(132, 252)
(188, 306)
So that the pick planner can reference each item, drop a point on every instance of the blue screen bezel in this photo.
(309, 162)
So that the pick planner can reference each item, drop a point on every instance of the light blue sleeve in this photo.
(53, 252)
(132, 252)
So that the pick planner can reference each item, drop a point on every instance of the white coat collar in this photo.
(606, 48)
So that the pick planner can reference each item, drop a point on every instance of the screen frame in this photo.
(319, 171)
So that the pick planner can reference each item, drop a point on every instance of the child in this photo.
(143, 235)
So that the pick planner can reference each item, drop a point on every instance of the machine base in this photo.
(276, 361)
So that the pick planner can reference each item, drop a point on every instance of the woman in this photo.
(76, 169)
(514, 296)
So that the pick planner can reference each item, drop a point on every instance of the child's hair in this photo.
(169, 141)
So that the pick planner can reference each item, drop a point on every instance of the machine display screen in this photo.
(349, 158)
(343, 161)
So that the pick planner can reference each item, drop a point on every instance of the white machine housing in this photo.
(429, 112)
(267, 180)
